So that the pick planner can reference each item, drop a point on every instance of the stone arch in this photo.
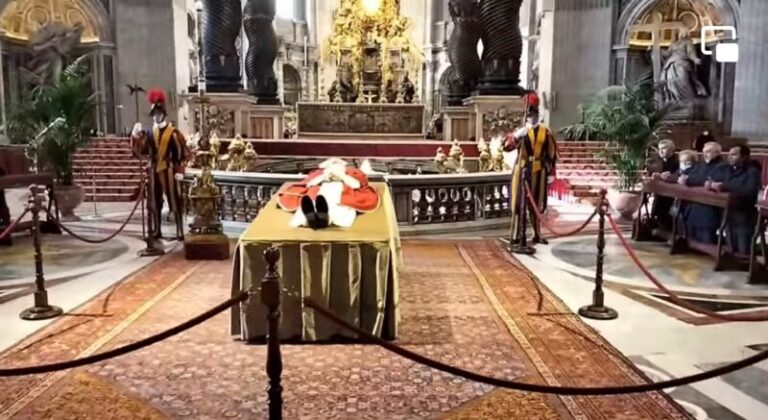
(636, 8)
(21, 18)
(291, 85)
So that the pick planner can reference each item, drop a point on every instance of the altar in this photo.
(373, 121)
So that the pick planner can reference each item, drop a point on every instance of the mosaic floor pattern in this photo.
(463, 303)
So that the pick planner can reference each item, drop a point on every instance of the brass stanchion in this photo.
(271, 297)
(598, 310)
(521, 245)
(149, 226)
(42, 309)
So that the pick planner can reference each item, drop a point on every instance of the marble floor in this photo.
(662, 339)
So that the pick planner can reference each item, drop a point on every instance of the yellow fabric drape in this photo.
(355, 272)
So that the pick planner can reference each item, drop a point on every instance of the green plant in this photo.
(628, 119)
(67, 108)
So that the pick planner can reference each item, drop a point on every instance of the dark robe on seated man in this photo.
(744, 182)
(663, 205)
(701, 220)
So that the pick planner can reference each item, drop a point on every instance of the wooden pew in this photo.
(758, 258)
(25, 181)
(724, 259)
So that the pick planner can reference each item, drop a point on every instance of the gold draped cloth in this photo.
(353, 271)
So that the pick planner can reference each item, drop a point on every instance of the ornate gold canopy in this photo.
(21, 19)
(668, 17)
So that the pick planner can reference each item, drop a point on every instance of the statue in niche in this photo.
(50, 47)
(408, 89)
(678, 74)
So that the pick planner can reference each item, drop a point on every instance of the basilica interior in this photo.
(383, 209)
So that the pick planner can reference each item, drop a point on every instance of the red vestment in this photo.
(364, 199)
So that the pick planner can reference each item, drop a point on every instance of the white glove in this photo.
(520, 133)
(137, 130)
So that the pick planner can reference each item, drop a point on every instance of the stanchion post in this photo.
(270, 297)
(598, 310)
(152, 249)
(520, 246)
(42, 309)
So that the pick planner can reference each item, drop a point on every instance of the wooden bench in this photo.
(25, 181)
(724, 258)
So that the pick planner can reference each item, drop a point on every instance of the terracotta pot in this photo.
(68, 197)
(626, 203)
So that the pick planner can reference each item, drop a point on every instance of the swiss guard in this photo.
(537, 156)
(166, 147)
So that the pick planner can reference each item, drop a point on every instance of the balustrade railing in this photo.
(419, 199)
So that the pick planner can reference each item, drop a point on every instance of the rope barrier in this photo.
(672, 295)
(113, 235)
(120, 351)
(7, 232)
(549, 227)
(537, 388)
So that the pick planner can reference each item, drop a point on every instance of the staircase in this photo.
(108, 171)
(585, 173)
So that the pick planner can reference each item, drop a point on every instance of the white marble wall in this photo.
(750, 117)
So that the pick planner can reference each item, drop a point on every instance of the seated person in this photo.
(701, 220)
(668, 166)
(688, 161)
(5, 214)
(742, 179)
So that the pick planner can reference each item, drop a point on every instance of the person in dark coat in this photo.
(668, 166)
(742, 178)
(701, 220)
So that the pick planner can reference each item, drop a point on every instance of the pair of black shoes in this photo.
(316, 211)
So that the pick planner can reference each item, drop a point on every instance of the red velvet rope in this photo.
(672, 296)
(13, 225)
(117, 232)
(549, 227)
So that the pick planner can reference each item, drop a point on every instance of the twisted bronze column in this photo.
(502, 47)
(462, 49)
(262, 50)
(221, 27)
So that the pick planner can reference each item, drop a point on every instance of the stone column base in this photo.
(484, 108)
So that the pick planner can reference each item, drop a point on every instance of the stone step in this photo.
(107, 175)
(110, 198)
(134, 170)
(104, 153)
(109, 182)
(119, 189)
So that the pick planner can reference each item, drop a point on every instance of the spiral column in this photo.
(462, 49)
(221, 27)
(502, 47)
(262, 50)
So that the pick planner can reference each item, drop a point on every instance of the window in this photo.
(286, 9)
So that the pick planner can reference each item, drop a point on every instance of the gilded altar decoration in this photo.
(455, 162)
(440, 160)
(250, 159)
(204, 197)
(234, 158)
(371, 49)
(486, 164)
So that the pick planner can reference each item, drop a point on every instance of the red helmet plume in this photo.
(156, 96)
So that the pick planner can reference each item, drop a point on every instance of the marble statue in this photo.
(486, 165)
(456, 158)
(50, 46)
(250, 159)
(678, 74)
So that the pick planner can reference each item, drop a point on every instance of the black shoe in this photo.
(308, 208)
(541, 241)
(321, 210)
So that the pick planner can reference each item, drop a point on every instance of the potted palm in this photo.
(628, 119)
(64, 113)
